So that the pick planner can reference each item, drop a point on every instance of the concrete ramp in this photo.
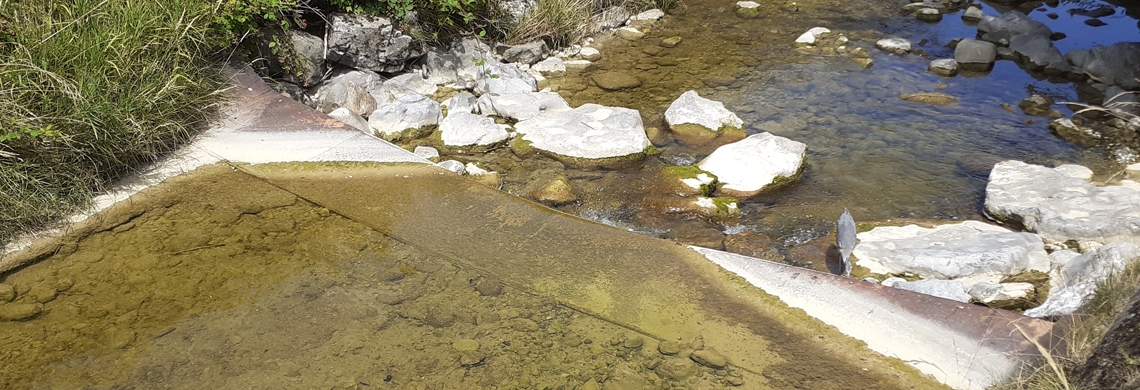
(965, 346)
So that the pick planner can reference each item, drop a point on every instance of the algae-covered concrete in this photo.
(319, 275)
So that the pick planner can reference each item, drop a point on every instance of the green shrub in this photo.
(91, 90)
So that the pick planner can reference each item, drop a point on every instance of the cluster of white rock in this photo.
(1076, 232)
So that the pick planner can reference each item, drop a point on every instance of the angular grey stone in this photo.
(1009, 25)
(651, 15)
(1061, 205)
(454, 166)
(952, 251)
(949, 289)
(944, 67)
(894, 45)
(351, 118)
(312, 51)
(994, 292)
(528, 53)
(1117, 64)
(407, 116)
(973, 14)
(588, 132)
(1039, 105)
(467, 129)
(745, 167)
(461, 102)
(973, 53)
(611, 18)
(306, 70)
(1073, 284)
(427, 152)
(521, 106)
(370, 42)
(341, 92)
(1038, 53)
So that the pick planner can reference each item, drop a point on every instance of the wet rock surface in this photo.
(952, 251)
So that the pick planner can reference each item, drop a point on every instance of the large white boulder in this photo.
(894, 45)
(503, 79)
(351, 118)
(344, 92)
(461, 102)
(588, 134)
(809, 37)
(1061, 205)
(697, 120)
(521, 106)
(746, 167)
(408, 117)
(403, 85)
(464, 129)
(960, 250)
(1074, 283)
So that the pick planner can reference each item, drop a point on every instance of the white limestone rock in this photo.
(950, 251)
(522, 105)
(973, 14)
(350, 118)
(454, 166)
(589, 54)
(1061, 205)
(949, 289)
(809, 37)
(629, 33)
(427, 152)
(894, 45)
(709, 117)
(408, 117)
(944, 67)
(649, 15)
(461, 102)
(590, 133)
(997, 292)
(746, 167)
(502, 79)
(464, 129)
(550, 67)
(747, 4)
(1074, 283)
(343, 92)
(403, 85)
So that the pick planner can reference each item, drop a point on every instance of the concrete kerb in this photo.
(262, 127)
(962, 345)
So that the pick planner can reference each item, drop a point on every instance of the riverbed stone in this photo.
(615, 80)
(465, 345)
(19, 311)
(465, 130)
(709, 358)
(935, 98)
(1038, 53)
(696, 120)
(973, 14)
(630, 33)
(1061, 205)
(453, 166)
(944, 67)
(611, 18)
(894, 45)
(589, 54)
(809, 37)
(949, 289)
(1002, 29)
(676, 368)
(687, 181)
(521, 106)
(672, 41)
(589, 135)
(7, 293)
(717, 208)
(556, 192)
(1073, 284)
(950, 251)
(929, 15)
(1117, 64)
(370, 42)
(351, 118)
(973, 54)
(1039, 105)
(748, 167)
(411, 116)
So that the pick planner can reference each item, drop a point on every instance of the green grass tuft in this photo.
(89, 91)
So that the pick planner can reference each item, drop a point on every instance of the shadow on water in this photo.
(366, 275)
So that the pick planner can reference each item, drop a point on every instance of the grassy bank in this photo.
(90, 90)
(1082, 333)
